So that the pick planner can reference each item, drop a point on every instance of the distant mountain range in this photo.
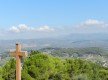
(87, 36)
(69, 41)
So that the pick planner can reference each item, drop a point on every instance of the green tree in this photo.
(8, 70)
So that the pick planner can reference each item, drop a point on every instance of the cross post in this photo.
(18, 54)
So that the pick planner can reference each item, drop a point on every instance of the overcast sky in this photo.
(26, 19)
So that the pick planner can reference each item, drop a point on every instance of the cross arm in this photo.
(23, 53)
(13, 53)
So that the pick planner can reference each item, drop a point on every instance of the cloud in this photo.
(25, 31)
(45, 28)
(92, 22)
(24, 27)
(87, 26)
(14, 29)
(91, 26)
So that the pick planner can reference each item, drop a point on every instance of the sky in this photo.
(27, 19)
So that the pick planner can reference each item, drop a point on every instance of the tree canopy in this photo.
(39, 66)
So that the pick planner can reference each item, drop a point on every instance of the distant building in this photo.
(105, 63)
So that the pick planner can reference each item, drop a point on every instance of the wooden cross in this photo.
(18, 53)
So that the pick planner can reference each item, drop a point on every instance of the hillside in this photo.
(93, 54)
(39, 66)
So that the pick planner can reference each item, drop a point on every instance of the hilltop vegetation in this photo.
(94, 54)
(39, 66)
